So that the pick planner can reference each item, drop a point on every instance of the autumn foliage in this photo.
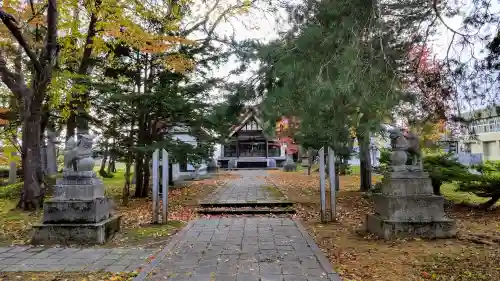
(428, 84)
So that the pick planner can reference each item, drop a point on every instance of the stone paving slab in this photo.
(21, 258)
(249, 188)
(233, 249)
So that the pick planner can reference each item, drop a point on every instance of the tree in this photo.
(31, 92)
(486, 184)
(311, 71)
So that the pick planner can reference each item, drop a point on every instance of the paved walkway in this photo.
(249, 188)
(246, 249)
(72, 259)
(241, 248)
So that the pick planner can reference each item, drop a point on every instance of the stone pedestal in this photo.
(406, 207)
(289, 165)
(79, 213)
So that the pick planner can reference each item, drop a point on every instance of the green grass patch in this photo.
(152, 231)
(11, 191)
(114, 185)
(354, 170)
(448, 191)
(274, 192)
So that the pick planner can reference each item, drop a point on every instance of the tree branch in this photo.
(10, 79)
(13, 26)
(51, 45)
(203, 22)
(438, 14)
(91, 33)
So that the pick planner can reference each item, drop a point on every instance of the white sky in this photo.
(262, 26)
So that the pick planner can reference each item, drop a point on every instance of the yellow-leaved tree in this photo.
(29, 31)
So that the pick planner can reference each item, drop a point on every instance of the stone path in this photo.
(250, 188)
(246, 249)
(241, 248)
(72, 259)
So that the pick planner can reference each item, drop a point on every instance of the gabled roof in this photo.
(250, 114)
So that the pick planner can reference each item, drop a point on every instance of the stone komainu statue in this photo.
(414, 148)
(79, 154)
(406, 142)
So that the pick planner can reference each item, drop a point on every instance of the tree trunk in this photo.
(138, 174)
(337, 177)
(12, 168)
(126, 187)
(310, 160)
(112, 164)
(488, 204)
(102, 171)
(364, 161)
(147, 176)
(343, 164)
(32, 193)
(436, 186)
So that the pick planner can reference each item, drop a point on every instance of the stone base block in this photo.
(62, 234)
(403, 184)
(68, 174)
(76, 211)
(77, 191)
(409, 208)
(290, 167)
(386, 229)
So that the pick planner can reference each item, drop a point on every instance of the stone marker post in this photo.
(156, 192)
(79, 213)
(322, 183)
(406, 206)
(51, 153)
(164, 186)
(333, 185)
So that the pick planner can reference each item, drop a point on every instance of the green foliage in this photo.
(485, 184)
(445, 167)
(11, 191)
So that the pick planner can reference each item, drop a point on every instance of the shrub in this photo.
(486, 184)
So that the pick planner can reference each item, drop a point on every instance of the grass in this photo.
(150, 234)
(448, 191)
(356, 255)
(274, 192)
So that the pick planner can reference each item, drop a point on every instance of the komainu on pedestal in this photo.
(406, 206)
(79, 213)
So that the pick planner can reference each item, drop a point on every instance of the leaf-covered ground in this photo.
(15, 225)
(358, 256)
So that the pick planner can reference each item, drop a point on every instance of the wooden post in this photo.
(267, 149)
(331, 174)
(237, 148)
(322, 183)
(155, 186)
(164, 185)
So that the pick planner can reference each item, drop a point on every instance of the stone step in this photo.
(245, 211)
(253, 204)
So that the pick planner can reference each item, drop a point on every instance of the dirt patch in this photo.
(358, 256)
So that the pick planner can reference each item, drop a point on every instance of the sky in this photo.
(263, 26)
